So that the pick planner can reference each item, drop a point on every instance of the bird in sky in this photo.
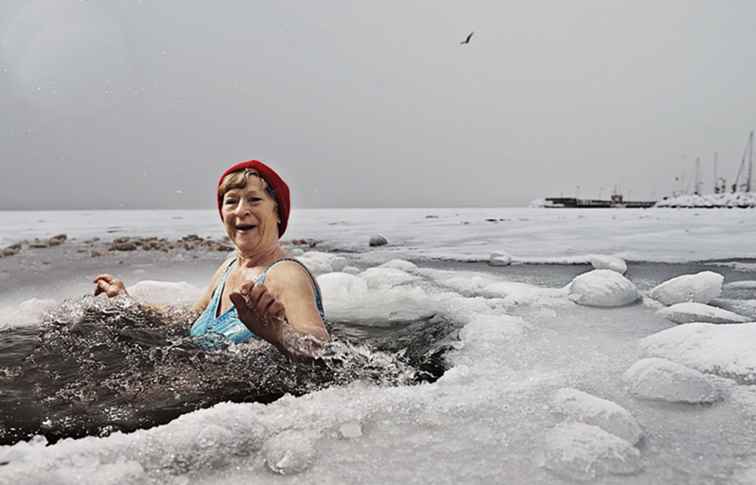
(467, 40)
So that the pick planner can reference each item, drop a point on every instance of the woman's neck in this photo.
(260, 258)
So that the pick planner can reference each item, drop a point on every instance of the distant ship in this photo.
(616, 201)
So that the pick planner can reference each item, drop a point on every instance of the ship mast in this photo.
(750, 162)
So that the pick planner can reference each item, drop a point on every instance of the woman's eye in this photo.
(254, 199)
(230, 201)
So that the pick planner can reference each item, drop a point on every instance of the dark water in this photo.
(96, 366)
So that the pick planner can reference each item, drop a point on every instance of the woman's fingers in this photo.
(106, 277)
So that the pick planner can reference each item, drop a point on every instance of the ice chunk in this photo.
(698, 312)
(351, 270)
(400, 264)
(27, 313)
(589, 409)
(741, 285)
(725, 350)
(603, 288)
(700, 288)
(662, 379)
(741, 307)
(500, 258)
(290, 451)
(341, 286)
(165, 292)
(600, 261)
(383, 277)
(319, 263)
(583, 452)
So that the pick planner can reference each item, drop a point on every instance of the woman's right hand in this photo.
(109, 285)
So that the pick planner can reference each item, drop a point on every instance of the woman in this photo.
(258, 292)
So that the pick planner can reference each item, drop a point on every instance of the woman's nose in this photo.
(242, 207)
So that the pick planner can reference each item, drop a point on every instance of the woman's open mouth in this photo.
(245, 227)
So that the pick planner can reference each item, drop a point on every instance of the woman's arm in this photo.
(283, 312)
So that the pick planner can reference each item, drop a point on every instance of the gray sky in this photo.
(139, 104)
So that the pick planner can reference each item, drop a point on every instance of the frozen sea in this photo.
(495, 416)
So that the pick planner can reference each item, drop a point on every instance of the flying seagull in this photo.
(467, 40)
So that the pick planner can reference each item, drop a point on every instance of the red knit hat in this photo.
(280, 189)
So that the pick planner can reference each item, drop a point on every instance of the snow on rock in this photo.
(589, 409)
(382, 277)
(290, 451)
(740, 285)
(351, 270)
(400, 264)
(662, 379)
(165, 292)
(700, 288)
(603, 288)
(319, 263)
(600, 261)
(708, 201)
(583, 452)
(698, 312)
(724, 350)
(500, 258)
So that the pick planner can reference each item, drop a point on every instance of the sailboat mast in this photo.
(750, 162)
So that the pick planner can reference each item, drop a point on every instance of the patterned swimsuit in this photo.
(212, 332)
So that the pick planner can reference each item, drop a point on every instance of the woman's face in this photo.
(250, 217)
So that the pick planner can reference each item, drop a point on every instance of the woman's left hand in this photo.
(260, 311)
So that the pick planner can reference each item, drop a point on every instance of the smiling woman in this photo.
(258, 292)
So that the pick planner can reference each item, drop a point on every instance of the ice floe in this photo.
(589, 409)
(603, 288)
(689, 312)
(699, 288)
(740, 285)
(599, 261)
(724, 350)
(662, 379)
(500, 258)
(583, 452)
(319, 263)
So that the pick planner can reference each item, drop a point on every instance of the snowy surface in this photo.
(602, 261)
(699, 288)
(491, 417)
(698, 312)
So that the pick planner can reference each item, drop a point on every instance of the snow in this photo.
(709, 201)
(599, 261)
(165, 292)
(521, 346)
(725, 350)
(698, 312)
(603, 288)
(500, 258)
(700, 288)
(27, 313)
(662, 379)
(583, 452)
(607, 415)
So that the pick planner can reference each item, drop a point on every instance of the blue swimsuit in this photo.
(213, 332)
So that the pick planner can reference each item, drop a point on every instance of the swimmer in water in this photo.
(258, 292)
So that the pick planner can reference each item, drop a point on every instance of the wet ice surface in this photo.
(488, 419)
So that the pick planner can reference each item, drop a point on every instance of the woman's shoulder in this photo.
(289, 272)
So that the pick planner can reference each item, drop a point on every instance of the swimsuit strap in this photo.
(318, 296)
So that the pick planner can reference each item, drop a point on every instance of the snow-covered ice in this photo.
(725, 350)
(699, 288)
(602, 261)
(698, 312)
(583, 452)
(603, 288)
(607, 415)
(662, 379)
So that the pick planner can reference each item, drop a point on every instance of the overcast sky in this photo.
(141, 104)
